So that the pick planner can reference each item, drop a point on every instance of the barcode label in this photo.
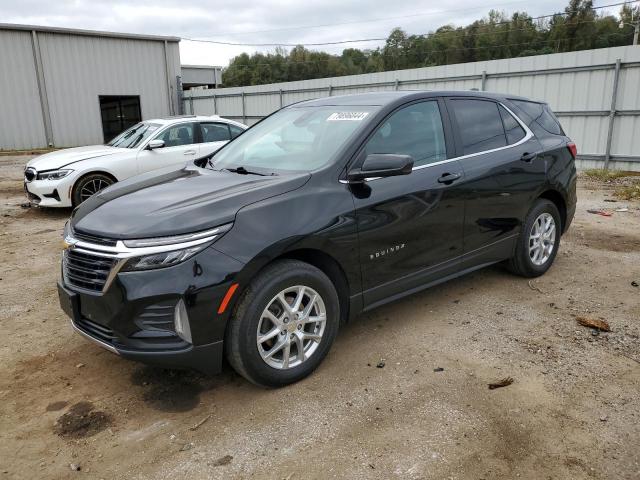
(347, 116)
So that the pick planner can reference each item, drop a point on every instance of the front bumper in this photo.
(50, 193)
(134, 317)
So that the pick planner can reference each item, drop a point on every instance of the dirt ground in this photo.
(69, 409)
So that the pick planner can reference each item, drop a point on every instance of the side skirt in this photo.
(467, 263)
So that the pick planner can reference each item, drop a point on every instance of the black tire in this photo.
(96, 180)
(241, 336)
(521, 263)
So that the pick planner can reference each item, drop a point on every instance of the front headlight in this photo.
(53, 175)
(157, 252)
(160, 260)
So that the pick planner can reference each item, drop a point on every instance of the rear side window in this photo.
(214, 132)
(414, 130)
(542, 114)
(512, 128)
(480, 125)
(235, 131)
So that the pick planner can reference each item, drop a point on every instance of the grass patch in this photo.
(600, 174)
(629, 192)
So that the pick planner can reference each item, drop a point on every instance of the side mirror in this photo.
(153, 144)
(382, 165)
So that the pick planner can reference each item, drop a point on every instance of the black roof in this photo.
(387, 97)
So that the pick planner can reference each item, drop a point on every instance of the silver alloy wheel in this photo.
(291, 327)
(542, 239)
(92, 187)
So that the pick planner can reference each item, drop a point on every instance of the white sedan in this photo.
(66, 178)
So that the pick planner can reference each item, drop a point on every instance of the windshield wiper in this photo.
(243, 171)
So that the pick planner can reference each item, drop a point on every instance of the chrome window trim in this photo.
(528, 136)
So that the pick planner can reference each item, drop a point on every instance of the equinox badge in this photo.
(387, 251)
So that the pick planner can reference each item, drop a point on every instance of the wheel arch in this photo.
(72, 190)
(319, 259)
(558, 200)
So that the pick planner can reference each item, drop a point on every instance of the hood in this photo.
(171, 202)
(62, 158)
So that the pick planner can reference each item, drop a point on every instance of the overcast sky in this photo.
(266, 21)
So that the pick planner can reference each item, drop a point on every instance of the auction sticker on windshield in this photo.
(348, 116)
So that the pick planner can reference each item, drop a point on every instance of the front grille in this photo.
(85, 237)
(95, 330)
(86, 271)
(30, 174)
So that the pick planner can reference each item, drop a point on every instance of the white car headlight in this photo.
(53, 175)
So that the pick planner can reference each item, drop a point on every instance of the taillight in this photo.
(573, 149)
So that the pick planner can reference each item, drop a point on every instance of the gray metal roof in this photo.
(86, 33)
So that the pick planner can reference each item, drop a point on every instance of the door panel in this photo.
(409, 227)
(498, 184)
(178, 150)
(410, 230)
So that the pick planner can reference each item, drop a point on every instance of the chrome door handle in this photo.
(189, 152)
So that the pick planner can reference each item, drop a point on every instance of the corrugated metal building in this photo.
(63, 87)
(208, 76)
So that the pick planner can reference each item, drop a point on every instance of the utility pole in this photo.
(636, 31)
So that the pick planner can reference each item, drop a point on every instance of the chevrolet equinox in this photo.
(324, 209)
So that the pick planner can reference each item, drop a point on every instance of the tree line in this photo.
(496, 36)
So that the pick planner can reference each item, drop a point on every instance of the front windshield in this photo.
(134, 136)
(298, 139)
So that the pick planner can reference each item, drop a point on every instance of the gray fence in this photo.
(596, 94)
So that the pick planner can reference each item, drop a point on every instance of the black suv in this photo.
(322, 210)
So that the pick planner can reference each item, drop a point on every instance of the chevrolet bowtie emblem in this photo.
(68, 242)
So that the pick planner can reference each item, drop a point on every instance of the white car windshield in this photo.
(134, 136)
(299, 139)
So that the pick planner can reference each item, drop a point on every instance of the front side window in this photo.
(134, 136)
(415, 130)
(214, 132)
(177, 135)
(512, 128)
(297, 139)
(480, 125)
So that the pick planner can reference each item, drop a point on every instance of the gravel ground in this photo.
(69, 409)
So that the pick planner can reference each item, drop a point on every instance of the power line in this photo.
(363, 40)
(372, 20)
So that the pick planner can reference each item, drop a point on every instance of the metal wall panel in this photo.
(78, 70)
(577, 85)
(21, 122)
(78, 67)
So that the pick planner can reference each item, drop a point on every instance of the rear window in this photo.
(542, 114)
(480, 125)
